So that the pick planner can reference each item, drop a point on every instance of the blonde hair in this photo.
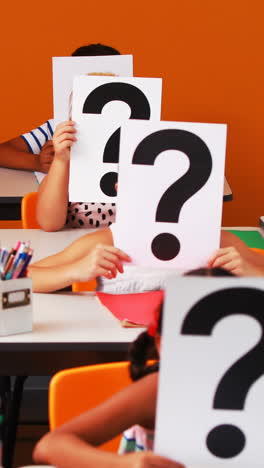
(101, 74)
(88, 74)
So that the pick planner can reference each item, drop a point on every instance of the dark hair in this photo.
(209, 272)
(95, 49)
(143, 349)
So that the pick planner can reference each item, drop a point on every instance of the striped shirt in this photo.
(136, 439)
(39, 136)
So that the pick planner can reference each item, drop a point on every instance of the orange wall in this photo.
(209, 54)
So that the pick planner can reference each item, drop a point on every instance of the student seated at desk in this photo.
(130, 411)
(54, 210)
(34, 151)
(94, 255)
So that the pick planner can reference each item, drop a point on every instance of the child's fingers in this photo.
(66, 122)
(113, 258)
(65, 145)
(221, 261)
(122, 255)
(63, 130)
(104, 263)
(213, 257)
(231, 265)
(221, 256)
(64, 136)
(104, 272)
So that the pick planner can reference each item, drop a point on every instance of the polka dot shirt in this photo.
(90, 215)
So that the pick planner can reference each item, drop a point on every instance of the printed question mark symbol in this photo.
(140, 109)
(227, 440)
(166, 246)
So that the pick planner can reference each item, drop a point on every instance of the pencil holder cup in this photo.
(15, 306)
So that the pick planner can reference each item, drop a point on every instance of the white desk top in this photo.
(15, 183)
(72, 318)
(64, 317)
(43, 243)
(48, 243)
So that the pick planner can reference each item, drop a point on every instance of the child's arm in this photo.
(102, 261)
(236, 257)
(73, 263)
(78, 248)
(15, 154)
(74, 443)
(53, 190)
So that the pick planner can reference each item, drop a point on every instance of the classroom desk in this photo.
(14, 184)
(69, 330)
(43, 243)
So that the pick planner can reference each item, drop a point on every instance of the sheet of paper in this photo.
(100, 107)
(210, 399)
(65, 68)
(138, 308)
(170, 192)
(40, 176)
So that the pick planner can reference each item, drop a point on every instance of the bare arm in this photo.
(86, 258)
(104, 260)
(78, 248)
(235, 256)
(73, 444)
(53, 191)
(15, 154)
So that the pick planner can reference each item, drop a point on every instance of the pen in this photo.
(9, 263)
(4, 256)
(11, 257)
(23, 271)
(21, 254)
(16, 265)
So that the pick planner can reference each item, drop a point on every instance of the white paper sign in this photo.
(101, 104)
(170, 192)
(65, 68)
(210, 401)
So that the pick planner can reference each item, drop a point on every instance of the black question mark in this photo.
(166, 246)
(140, 109)
(227, 440)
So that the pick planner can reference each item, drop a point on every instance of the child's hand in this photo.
(104, 260)
(46, 156)
(230, 259)
(63, 139)
(147, 460)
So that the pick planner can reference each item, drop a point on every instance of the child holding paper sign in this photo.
(53, 191)
(33, 151)
(94, 255)
(74, 443)
(131, 411)
(53, 209)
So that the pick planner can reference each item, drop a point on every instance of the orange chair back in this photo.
(73, 391)
(28, 211)
(260, 251)
(84, 286)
